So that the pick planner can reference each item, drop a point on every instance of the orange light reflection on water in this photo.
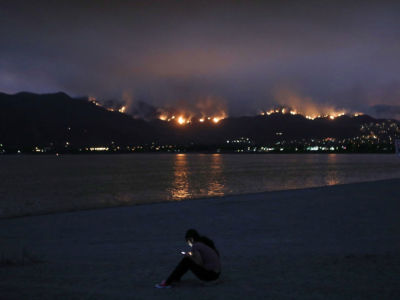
(180, 186)
(216, 179)
(211, 183)
(332, 175)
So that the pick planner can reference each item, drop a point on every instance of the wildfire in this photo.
(216, 120)
(284, 110)
(188, 118)
(181, 120)
(93, 100)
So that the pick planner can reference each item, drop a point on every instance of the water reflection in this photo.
(203, 178)
(180, 185)
(216, 178)
(76, 182)
(331, 177)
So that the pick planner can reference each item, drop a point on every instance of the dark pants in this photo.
(188, 264)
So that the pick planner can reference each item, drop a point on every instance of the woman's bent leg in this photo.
(188, 264)
(180, 269)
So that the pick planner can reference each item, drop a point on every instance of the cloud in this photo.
(164, 53)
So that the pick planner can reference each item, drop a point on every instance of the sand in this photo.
(338, 242)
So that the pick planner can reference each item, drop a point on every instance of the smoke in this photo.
(127, 99)
(239, 50)
(189, 106)
(143, 110)
(211, 106)
(386, 111)
(305, 105)
(112, 104)
(201, 107)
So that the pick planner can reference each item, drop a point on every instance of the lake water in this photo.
(42, 184)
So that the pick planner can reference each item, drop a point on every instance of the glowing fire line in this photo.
(332, 115)
(187, 118)
(183, 119)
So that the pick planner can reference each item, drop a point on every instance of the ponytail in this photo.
(209, 243)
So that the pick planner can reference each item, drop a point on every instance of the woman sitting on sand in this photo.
(203, 260)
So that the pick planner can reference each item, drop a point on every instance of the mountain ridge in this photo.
(29, 119)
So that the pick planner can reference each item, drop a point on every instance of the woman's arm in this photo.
(196, 257)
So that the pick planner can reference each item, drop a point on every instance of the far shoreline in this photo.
(191, 152)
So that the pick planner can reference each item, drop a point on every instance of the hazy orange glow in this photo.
(309, 111)
(331, 115)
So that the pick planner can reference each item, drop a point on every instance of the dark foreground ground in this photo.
(340, 242)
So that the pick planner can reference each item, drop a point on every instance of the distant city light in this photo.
(98, 148)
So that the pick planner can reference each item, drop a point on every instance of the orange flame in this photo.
(181, 120)
(331, 115)
(188, 117)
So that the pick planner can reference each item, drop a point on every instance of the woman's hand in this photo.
(196, 257)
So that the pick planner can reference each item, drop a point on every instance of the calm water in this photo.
(37, 184)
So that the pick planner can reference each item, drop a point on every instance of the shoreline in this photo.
(337, 242)
(188, 199)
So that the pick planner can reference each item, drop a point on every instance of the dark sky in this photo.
(248, 55)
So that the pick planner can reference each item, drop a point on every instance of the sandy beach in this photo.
(337, 242)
